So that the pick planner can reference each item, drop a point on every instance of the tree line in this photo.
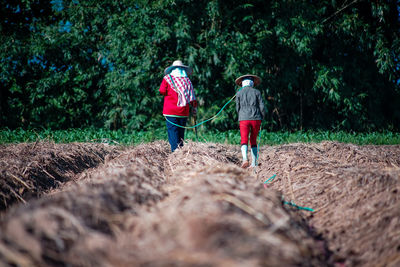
(85, 63)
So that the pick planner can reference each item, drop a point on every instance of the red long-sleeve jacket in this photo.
(171, 100)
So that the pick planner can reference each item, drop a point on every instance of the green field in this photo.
(228, 137)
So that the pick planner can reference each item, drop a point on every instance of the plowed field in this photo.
(101, 205)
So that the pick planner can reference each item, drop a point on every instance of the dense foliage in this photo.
(77, 63)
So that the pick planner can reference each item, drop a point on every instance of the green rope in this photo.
(270, 179)
(297, 206)
(258, 146)
(213, 117)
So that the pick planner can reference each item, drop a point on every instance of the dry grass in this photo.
(28, 170)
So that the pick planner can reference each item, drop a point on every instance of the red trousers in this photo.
(252, 127)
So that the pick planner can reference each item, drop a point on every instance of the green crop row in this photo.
(275, 138)
(81, 135)
(226, 137)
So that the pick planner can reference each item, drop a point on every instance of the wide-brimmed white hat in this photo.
(255, 78)
(176, 64)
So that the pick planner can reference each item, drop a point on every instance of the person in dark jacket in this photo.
(179, 95)
(251, 111)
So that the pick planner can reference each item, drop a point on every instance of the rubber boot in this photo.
(253, 156)
(245, 162)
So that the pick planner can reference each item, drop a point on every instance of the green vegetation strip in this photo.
(228, 137)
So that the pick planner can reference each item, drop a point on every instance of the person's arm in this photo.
(193, 103)
(261, 105)
(192, 95)
(237, 104)
(163, 87)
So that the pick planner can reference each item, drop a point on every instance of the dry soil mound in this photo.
(150, 207)
(28, 170)
(355, 191)
(79, 226)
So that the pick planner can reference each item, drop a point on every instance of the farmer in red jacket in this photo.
(178, 93)
(250, 109)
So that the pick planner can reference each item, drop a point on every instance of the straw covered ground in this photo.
(28, 170)
(145, 206)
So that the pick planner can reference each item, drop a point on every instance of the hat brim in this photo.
(170, 68)
(256, 79)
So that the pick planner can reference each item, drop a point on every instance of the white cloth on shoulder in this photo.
(178, 72)
(247, 82)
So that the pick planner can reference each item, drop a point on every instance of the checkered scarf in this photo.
(183, 87)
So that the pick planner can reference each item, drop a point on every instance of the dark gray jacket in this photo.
(249, 104)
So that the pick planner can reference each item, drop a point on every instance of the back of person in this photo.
(250, 109)
(250, 105)
(179, 96)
